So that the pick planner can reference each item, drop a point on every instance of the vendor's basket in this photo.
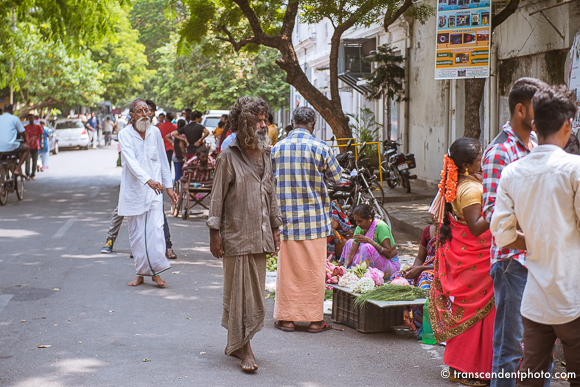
(367, 319)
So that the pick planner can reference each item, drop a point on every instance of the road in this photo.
(57, 289)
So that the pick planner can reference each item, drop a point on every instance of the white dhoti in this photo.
(147, 241)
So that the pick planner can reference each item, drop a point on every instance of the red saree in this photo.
(462, 290)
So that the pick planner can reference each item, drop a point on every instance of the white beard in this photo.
(143, 124)
(262, 140)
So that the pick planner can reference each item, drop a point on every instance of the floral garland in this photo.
(448, 184)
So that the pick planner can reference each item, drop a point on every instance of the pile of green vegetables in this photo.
(391, 293)
(272, 262)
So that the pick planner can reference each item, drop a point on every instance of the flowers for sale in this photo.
(364, 285)
(333, 273)
(376, 275)
(348, 280)
(400, 281)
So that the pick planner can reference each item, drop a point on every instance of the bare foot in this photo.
(159, 281)
(137, 281)
(248, 359)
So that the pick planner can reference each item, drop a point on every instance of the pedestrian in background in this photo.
(272, 130)
(34, 135)
(44, 152)
(301, 165)
(145, 176)
(539, 195)
(508, 267)
(179, 147)
(166, 128)
(93, 130)
(108, 130)
(194, 132)
(244, 222)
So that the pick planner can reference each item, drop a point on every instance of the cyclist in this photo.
(10, 126)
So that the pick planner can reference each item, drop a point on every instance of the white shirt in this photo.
(142, 160)
(540, 192)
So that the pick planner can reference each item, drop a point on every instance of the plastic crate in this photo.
(367, 319)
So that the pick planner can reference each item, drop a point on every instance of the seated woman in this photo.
(421, 273)
(340, 233)
(373, 243)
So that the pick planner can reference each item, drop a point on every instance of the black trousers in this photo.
(538, 346)
(169, 156)
(31, 163)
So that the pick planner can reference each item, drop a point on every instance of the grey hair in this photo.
(303, 116)
(134, 102)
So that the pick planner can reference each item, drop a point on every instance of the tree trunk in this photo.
(329, 110)
(473, 95)
(474, 87)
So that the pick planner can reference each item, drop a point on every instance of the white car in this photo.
(72, 133)
(212, 117)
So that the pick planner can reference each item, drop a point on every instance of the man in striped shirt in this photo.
(301, 164)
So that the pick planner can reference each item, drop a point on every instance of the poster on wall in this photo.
(574, 80)
(463, 33)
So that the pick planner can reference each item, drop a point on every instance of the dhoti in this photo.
(244, 307)
(300, 281)
(147, 241)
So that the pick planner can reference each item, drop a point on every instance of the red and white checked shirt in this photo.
(504, 149)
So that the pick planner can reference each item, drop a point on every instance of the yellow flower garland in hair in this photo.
(448, 184)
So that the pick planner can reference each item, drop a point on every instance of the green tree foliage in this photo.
(74, 23)
(53, 74)
(122, 62)
(212, 77)
(151, 19)
(387, 77)
(270, 23)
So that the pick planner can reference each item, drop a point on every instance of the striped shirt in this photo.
(503, 150)
(301, 163)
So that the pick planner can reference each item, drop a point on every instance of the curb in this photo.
(407, 227)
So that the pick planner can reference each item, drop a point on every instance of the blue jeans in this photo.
(509, 280)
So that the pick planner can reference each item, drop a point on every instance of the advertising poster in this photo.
(463, 33)
(574, 81)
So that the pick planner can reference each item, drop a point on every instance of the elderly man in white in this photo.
(145, 175)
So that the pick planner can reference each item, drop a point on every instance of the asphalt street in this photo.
(58, 290)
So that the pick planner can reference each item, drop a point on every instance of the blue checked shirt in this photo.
(300, 163)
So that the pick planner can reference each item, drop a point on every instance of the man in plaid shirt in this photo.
(301, 163)
(508, 269)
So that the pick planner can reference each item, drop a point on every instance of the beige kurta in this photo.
(300, 282)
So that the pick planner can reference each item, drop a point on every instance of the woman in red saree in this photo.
(461, 306)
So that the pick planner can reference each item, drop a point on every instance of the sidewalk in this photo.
(409, 211)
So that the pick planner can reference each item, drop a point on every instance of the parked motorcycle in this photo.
(396, 166)
(358, 186)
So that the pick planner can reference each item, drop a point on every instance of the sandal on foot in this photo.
(279, 325)
(324, 327)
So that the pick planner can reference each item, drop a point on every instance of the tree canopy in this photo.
(270, 23)
(210, 77)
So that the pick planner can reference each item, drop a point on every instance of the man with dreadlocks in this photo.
(243, 220)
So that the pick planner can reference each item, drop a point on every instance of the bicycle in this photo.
(9, 182)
